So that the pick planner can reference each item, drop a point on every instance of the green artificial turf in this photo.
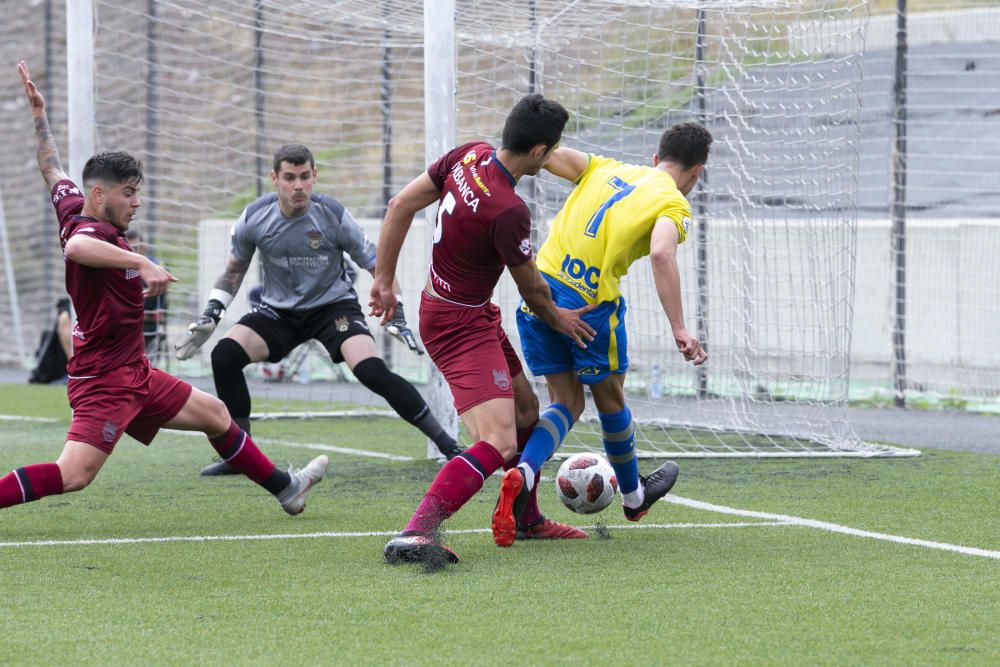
(691, 589)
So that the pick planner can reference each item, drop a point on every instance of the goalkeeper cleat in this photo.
(293, 498)
(414, 547)
(547, 529)
(218, 467)
(654, 487)
(513, 497)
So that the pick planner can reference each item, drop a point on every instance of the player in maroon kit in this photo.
(112, 388)
(482, 226)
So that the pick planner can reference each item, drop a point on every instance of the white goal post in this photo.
(204, 93)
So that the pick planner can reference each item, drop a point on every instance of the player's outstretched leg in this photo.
(228, 361)
(290, 488)
(654, 487)
(406, 401)
(293, 498)
(29, 483)
(457, 481)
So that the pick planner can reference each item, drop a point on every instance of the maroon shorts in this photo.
(133, 399)
(471, 350)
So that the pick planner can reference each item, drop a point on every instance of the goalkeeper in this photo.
(308, 294)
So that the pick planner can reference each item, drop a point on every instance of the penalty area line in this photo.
(338, 534)
(833, 527)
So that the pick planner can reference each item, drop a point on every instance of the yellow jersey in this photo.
(606, 224)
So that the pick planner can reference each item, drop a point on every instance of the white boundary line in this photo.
(774, 519)
(833, 527)
(769, 520)
(378, 533)
(22, 418)
(307, 445)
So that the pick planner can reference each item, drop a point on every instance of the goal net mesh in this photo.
(205, 92)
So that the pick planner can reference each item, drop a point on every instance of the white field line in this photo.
(775, 519)
(833, 527)
(22, 418)
(308, 445)
(378, 533)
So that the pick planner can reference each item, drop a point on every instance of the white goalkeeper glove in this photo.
(397, 329)
(200, 330)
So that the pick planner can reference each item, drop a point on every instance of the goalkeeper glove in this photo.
(397, 329)
(200, 330)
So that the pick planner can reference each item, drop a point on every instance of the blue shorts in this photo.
(547, 351)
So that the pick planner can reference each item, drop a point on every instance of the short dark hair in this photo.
(534, 120)
(293, 154)
(685, 143)
(112, 167)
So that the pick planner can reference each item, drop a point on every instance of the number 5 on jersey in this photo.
(622, 190)
(447, 205)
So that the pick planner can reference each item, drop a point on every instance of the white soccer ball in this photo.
(586, 483)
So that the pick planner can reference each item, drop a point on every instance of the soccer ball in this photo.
(586, 483)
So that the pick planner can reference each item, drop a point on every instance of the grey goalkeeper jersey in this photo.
(303, 257)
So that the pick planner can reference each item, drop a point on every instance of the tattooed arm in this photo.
(232, 277)
(48, 154)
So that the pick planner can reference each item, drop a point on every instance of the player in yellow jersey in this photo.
(616, 214)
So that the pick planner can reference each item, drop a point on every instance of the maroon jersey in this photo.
(482, 224)
(108, 302)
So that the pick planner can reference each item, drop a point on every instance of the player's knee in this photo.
(77, 477)
(217, 417)
(374, 374)
(228, 357)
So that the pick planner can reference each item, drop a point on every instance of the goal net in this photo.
(205, 92)
(768, 271)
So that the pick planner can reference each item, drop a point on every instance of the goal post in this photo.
(205, 92)
(440, 131)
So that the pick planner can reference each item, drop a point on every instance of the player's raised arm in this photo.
(666, 276)
(567, 163)
(48, 154)
(536, 294)
(416, 196)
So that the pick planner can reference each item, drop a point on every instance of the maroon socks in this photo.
(458, 480)
(30, 483)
